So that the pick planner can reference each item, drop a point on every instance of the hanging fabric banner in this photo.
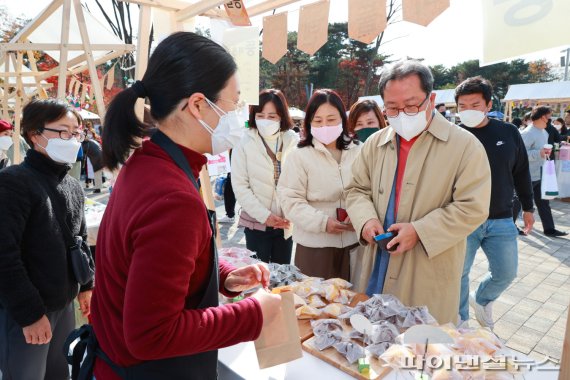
(313, 26)
(83, 94)
(237, 13)
(423, 12)
(515, 28)
(71, 85)
(275, 37)
(91, 91)
(111, 77)
(76, 89)
(366, 19)
(243, 45)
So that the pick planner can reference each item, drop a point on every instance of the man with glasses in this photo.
(427, 182)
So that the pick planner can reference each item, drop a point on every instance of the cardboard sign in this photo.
(218, 164)
(512, 28)
(275, 37)
(423, 12)
(243, 45)
(237, 13)
(366, 19)
(279, 341)
(313, 27)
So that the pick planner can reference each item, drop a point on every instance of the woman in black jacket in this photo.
(37, 284)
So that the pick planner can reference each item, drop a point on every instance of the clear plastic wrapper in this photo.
(324, 341)
(307, 287)
(330, 292)
(418, 316)
(383, 332)
(352, 351)
(396, 354)
(339, 283)
(324, 326)
(379, 348)
(238, 257)
(307, 312)
(335, 309)
(284, 274)
(316, 301)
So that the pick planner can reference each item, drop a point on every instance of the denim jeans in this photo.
(498, 239)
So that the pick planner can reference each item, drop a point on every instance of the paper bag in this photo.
(279, 341)
(549, 185)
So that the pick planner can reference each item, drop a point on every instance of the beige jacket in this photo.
(252, 174)
(310, 190)
(446, 194)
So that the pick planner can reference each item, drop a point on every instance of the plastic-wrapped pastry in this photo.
(284, 274)
(316, 301)
(360, 308)
(383, 332)
(396, 355)
(351, 350)
(335, 309)
(339, 283)
(324, 326)
(330, 292)
(446, 374)
(307, 312)
(324, 341)
(418, 316)
(307, 287)
(298, 301)
(344, 297)
(379, 348)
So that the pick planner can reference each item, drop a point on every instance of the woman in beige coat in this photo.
(312, 185)
(256, 167)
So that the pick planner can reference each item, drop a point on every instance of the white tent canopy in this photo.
(446, 97)
(50, 31)
(86, 115)
(554, 92)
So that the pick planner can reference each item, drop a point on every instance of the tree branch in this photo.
(115, 30)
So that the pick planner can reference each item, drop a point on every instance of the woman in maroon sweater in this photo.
(155, 309)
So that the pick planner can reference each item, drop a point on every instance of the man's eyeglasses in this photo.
(408, 110)
(66, 135)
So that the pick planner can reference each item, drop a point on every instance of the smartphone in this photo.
(341, 214)
(383, 240)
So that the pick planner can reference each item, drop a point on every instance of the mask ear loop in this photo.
(216, 109)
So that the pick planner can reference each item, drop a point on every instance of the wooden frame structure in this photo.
(11, 54)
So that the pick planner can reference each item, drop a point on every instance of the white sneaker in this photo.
(483, 314)
(227, 220)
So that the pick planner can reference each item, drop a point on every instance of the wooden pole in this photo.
(18, 110)
(89, 57)
(142, 52)
(41, 91)
(66, 14)
(5, 107)
(565, 361)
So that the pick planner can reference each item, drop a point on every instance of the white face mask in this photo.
(62, 151)
(409, 127)
(327, 134)
(6, 142)
(471, 118)
(228, 132)
(557, 126)
(267, 128)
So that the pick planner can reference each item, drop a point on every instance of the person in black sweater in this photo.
(509, 171)
(37, 284)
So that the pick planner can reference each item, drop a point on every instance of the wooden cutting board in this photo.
(305, 329)
(332, 357)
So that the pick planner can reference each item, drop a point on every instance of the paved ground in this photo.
(531, 315)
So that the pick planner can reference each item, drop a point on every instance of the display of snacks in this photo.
(284, 274)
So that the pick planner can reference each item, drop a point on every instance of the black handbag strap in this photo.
(160, 139)
(68, 236)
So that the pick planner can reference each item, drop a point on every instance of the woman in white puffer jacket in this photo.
(311, 189)
(256, 167)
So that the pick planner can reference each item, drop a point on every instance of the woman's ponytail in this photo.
(122, 128)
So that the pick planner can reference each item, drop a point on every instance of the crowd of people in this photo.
(440, 191)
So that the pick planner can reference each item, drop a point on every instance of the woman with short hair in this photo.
(42, 215)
